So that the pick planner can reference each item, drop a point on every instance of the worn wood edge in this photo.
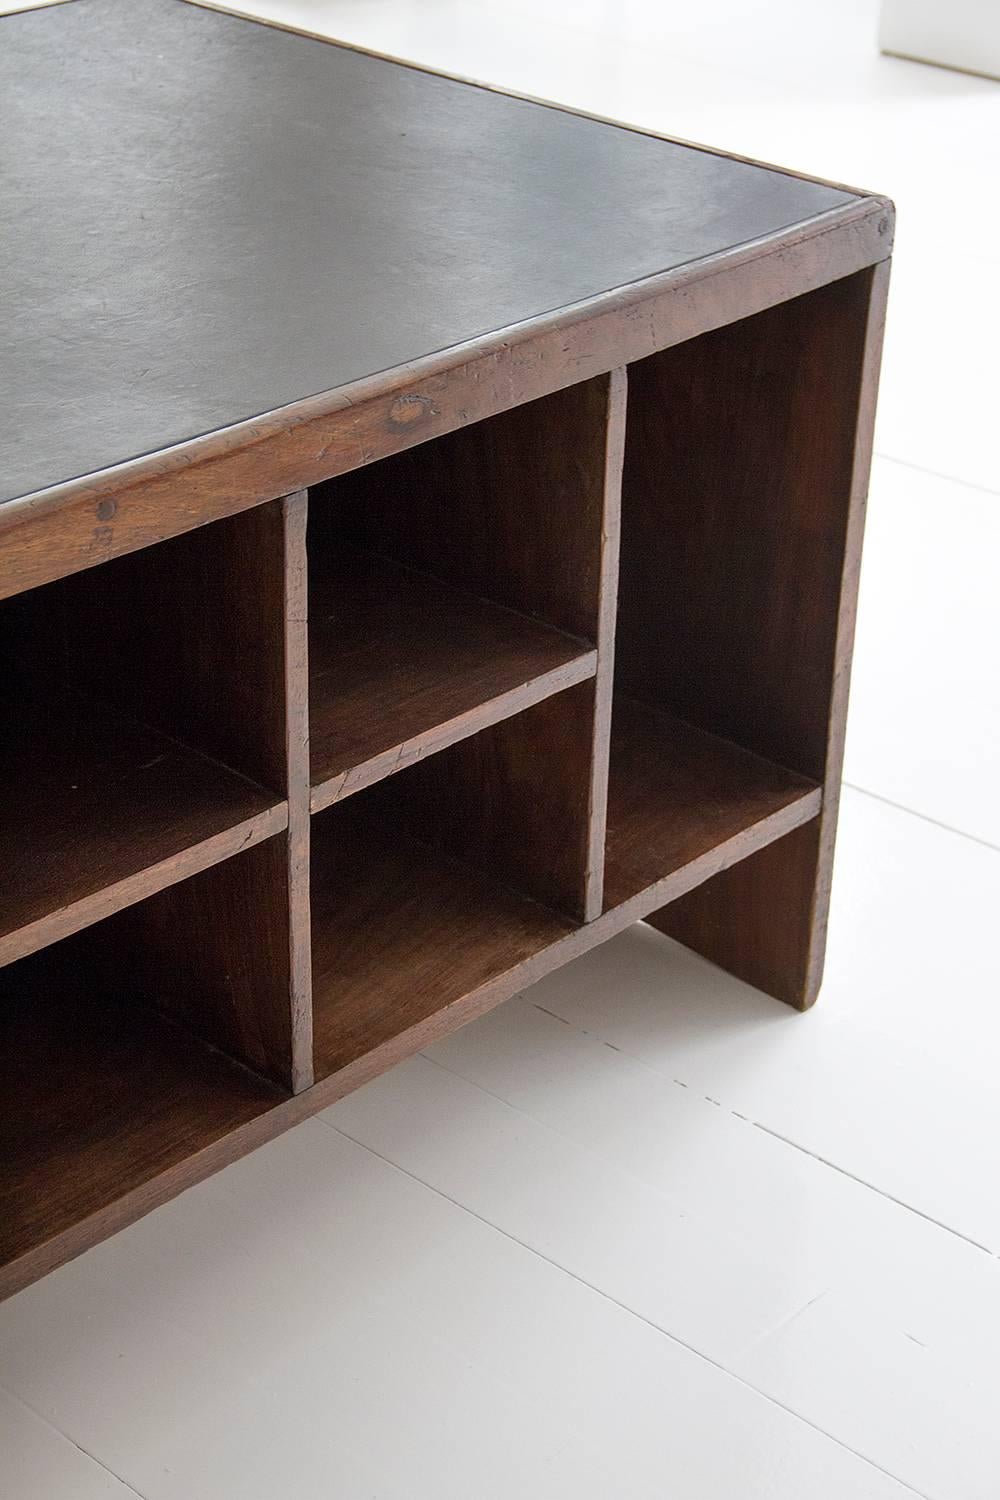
(607, 617)
(857, 216)
(342, 784)
(102, 1223)
(85, 521)
(102, 903)
(510, 93)
(294, 510)
(867, 400)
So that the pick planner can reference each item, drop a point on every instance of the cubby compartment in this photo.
(732, 640)
(134, 1053)
(434, 891)
(143, 734)
(454, 585)
(679, 798)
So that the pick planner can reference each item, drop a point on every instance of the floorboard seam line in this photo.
(630, 1312)
(27, 1406)
(907, 1207)
(969, 484)
(961, 833)
(545, 1124)
(746, 1120)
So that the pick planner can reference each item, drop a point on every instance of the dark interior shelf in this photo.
(401, 932)
(94, 803)
(676, 793)
(401, 664)
(100, 1096)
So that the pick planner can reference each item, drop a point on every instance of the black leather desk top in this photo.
(204, 219)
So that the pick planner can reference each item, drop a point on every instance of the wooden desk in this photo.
(582, 421)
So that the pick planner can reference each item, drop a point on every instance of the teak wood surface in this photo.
(477, 491)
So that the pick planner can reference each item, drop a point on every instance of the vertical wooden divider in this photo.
(218, 654)
(526, 797)
(607, 618)
(296, 573)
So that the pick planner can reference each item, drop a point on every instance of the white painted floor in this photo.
(643, 1232)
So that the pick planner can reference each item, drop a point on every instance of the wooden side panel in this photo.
(746, 473)
(511, 508)
(763, 919)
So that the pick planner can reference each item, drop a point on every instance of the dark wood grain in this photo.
(521, 511)
(737, 472)
(295, 685)
(240, 681)
(515, 799)
(100, 1096)
(187, 636)
(743, 502)
(99, 812)
(607, 617)
(510, 509)
(423, 907)
(677, 793)
(430, 323)
(215, 954)
(402, 932)
(761, 918)
(401, 665)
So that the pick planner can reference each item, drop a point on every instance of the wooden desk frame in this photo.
(558, 640)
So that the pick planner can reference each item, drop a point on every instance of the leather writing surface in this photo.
(205, 219)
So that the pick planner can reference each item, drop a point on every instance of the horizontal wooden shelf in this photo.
(401, 933)
(101, 811)
(677, 794)
(405, 937)
(402, 665)
(101, 1098)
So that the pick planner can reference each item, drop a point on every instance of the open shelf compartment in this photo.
(132, 754)
(402, 933)
(454, 585)
(133, 1047)
(680, 799)
(431, 887)
(740, 530)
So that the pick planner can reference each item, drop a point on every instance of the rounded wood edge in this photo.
(86, 521)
